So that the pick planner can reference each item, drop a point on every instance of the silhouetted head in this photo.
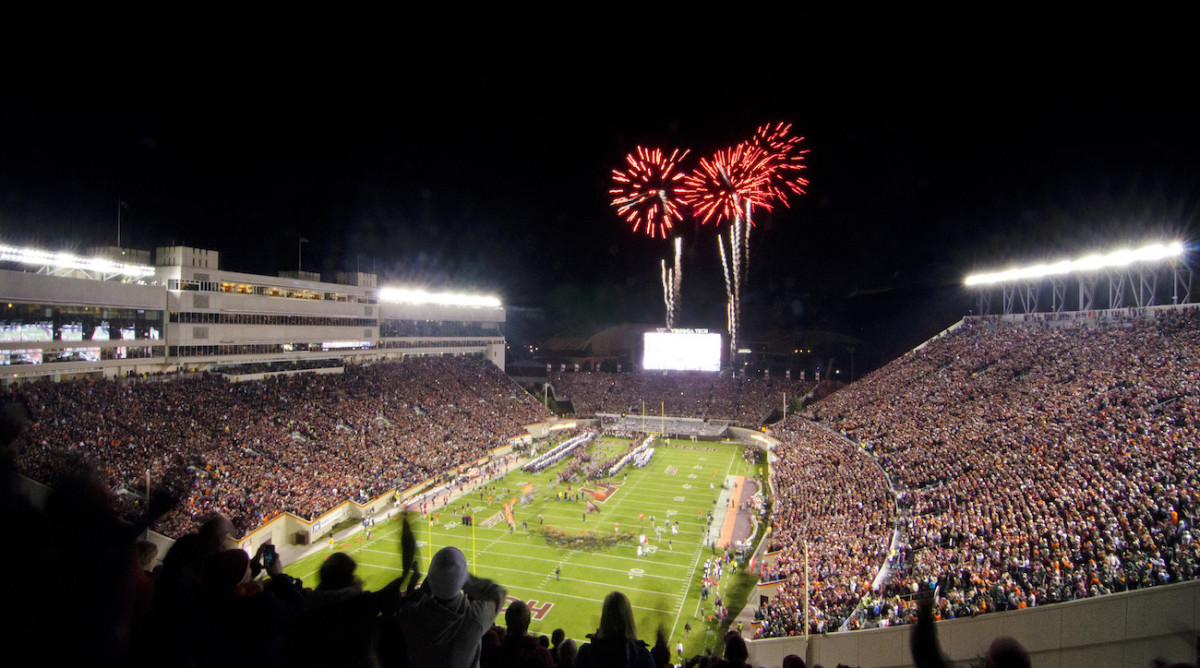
(735, 648)
(616, 618)
(447, 573)
(337, 572)
(147, 552)
(793, 661)
(1006, 652)
(216, 534)
(222, 571)
(566, 654)
(517, 619)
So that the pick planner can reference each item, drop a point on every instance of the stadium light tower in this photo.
(1124, 268)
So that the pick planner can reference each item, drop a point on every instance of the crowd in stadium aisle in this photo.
(1038, 463)
(298, 443)
(746, 401)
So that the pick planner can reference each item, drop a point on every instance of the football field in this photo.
(562, 560)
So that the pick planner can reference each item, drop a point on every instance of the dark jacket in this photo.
(615, 652)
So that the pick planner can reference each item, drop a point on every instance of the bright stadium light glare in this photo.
(409, 296)
(1120, 258)
(34, 256)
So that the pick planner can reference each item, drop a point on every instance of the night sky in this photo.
(482, 160)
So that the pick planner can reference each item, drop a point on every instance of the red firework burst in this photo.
(786, 159)
(647, 194)
(733, 178)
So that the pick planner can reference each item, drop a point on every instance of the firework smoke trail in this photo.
(725, 268)
(729, 318)
(728, 294)
(746, 237)
(677, 280)
(735, 239)
(669, 283)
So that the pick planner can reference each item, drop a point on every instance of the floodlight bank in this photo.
(1121, 258)
(68, 261)
(406, 296)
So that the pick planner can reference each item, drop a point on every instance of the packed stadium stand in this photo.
(300, 444)
(832, 499)
(1035, 460)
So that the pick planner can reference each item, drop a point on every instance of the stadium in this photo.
(1029, 472)
(811, 335)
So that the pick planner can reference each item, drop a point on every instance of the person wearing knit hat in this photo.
(447, 573)
(443, 622)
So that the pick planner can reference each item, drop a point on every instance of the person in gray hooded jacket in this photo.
(443, 622)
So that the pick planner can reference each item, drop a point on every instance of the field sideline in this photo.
(683, 483)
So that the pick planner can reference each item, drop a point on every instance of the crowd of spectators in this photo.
(1033, 462)
(1037, 462)
(279, 367)
(298, 443)
(830, 496)
(746, 401)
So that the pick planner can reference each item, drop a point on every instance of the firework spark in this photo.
(785, 160)
(647, 193)
(719, 187)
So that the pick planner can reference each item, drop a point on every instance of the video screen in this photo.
(682, 351)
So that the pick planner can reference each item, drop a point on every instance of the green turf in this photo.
(663, 586)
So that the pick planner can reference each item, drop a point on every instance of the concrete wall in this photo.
(495, 353)
(1127, 629)
(283, 529)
